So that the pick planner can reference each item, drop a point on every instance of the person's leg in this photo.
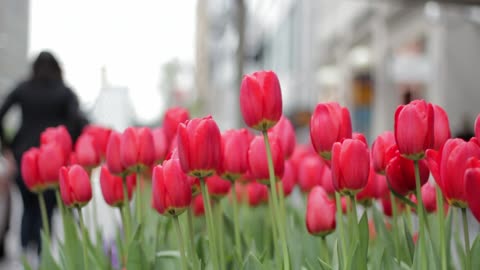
(31, 213)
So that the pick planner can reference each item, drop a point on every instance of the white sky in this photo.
(131, 38)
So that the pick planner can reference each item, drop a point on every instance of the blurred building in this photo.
(14, 20)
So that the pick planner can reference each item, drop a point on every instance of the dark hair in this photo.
(46, 68)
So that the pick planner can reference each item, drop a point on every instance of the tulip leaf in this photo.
(252, 263)
(475, 251)
(363, 240)
(26, 264)
(47, 262)
(335, 260)
(71, 251)
(409, 242)
(136, 256)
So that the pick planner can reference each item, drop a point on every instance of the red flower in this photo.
(472, 186)
(235, 144)
(441, 127)
(112, 187)
(173, 117)
(257, 159)
(448, 167)
(171, 189)
(50, 160)
(320, 217)
(414, 128)
(330, 123)
(114, 163)
(350, 166)
(477, 127)
(327, 181)
(58, 135)
(261, 100)
(199, 146)
(370, 192)
(429, 197)
(400, 173)
(75, 187)
(286, 134)
(379, 149)
(257, 193)
(310, 173)
(359, 136)
(288, 179)
(137, 148)
(160, 144)
(100, 136)
(29, 169)
(85, 152)
(218, 187)
(198, 206)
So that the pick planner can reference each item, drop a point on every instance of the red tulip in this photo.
(114, 163)
(477, 127)
(320, 217)
(472, 186)
(137, 148)
(218, 187)
(330, 123)
(350, 166)
(448, 167)
(171, 189)
(195, 185)
(359, 136)
(100, 136)
(112, 187)
(199, 146)
(257, 193)
(370, 192)
(382, 186)
(299, 153)
(30, 172)
(286, 134)
(198, 206)
(400, 173)
(261, 100)
(75, 187)
(379, 149)
(235, 144)
(387, 205)
(288, 179)
(429, 197)
(441, 127)
(310, 173)
(414, 128)
(160, 144)
(50, 160)
(85, 152)
(257, 159)
(58, 135)
(240, 192)
(327, 181)
(173, 117)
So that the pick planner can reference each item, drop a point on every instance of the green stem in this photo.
(210, 225)
(180, 243)
(274, 226)
(273, 187)
(324, 250)
(338, 203)
(43, 211)
(126, 209)
(441, 226)
(466, 239)
(396, 240)
(281, 197)
(94, 206)
(191, 237)
(236, 224)
(139, 197)
(408, 213)
(421, 215)
(85, 238)
(219, 233)
(61, 207)
(124, 242)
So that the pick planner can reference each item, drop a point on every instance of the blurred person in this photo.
(44, 101)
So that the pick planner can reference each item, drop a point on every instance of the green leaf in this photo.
(71, 252)
(335, 259)
(46, 259)
(136, 256)
(475, 251)
(26, 265)
(252, 263)
(363, 238)
(409, 241)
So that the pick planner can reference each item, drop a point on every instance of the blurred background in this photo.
(130, 60)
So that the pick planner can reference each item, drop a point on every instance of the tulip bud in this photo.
(75, 187)
(160, 144)
(472, 186)
(285, 133)
(370, 192)
(288, 179)
(414, 128)
(85, 152)
(477, 127)
(261, 100)
(400, 173)
(112, 187)
(218, 187)
(310, 173)
(257, 159)
(60, 136)
(171, 189)
(199, 147)
(257, 193)
(137, 148)
(235, 144)
(320, 217)
(30, 172)
(173, 117)
(100, 136)
(330, 123)
(379, 149)
(359, 136)
(50, 160)
(429, 197)
(350, 166)
(114, 162)
(198, 206)
(327, 181)
(441, 127)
